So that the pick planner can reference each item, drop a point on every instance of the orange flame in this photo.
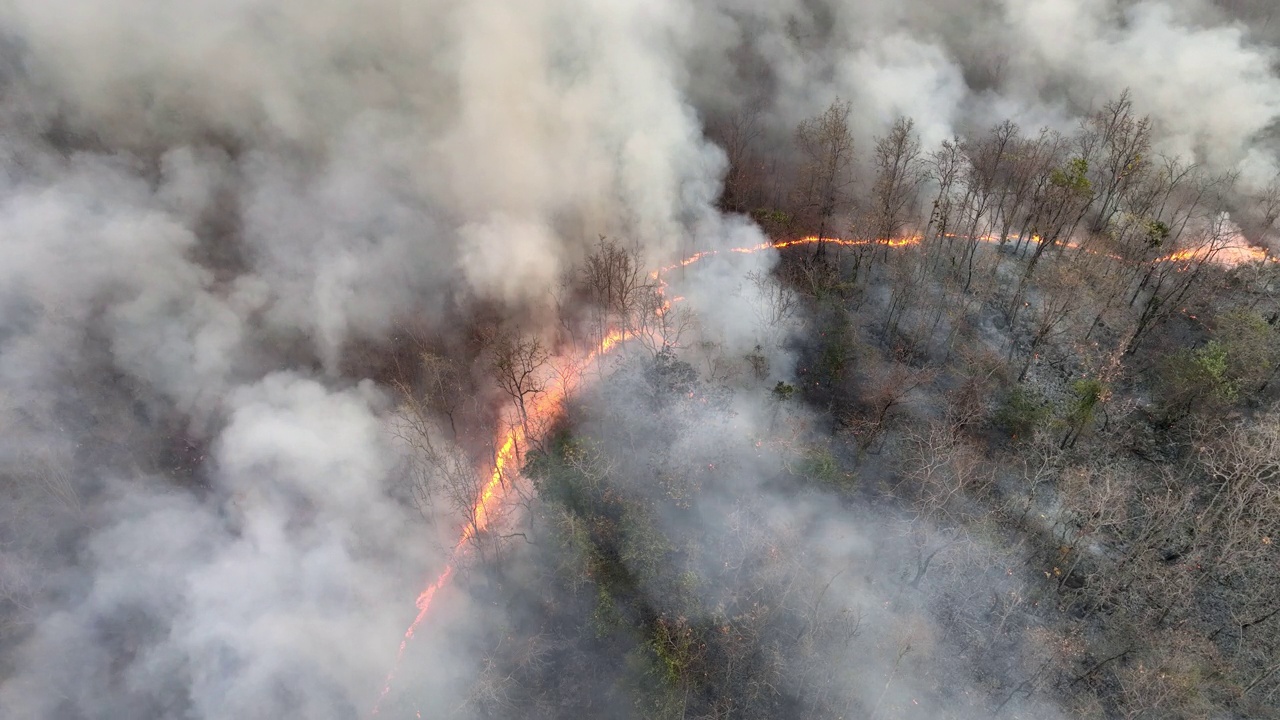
(1229, 255)
(811, 240)
(547, 408)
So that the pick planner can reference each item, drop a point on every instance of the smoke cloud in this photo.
(210, 209)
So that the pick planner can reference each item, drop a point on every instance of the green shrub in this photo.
(1191, 379)
(819, 465)
(1088, 393)
(1022, 413)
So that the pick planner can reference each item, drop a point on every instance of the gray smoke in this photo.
(208, 208)
(1205, 74)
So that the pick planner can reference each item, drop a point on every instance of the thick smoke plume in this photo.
(217, 219)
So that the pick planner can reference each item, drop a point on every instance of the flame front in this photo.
(548, 407)
(543, 411)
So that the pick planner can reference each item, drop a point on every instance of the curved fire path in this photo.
(549, 406)
(542, 411)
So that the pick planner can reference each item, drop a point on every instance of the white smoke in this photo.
(205, 205)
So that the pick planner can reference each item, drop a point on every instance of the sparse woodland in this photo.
(1053, 417)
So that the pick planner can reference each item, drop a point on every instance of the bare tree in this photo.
(436, 463)
(946, 168)
(1121, 149)
(945, 473)
(777, 303)
(656, 324)
(1163, 681)
(899, 172)
(443, 387)
(1058, 300)
(1030, 160)
(991, 162)
(442, 476)
(986, 188)
(1095, 503)
(516, 363)
(615, 283)
(1243, 466)
(1268, 208)
(1061, 194)
(498, 684)
(906, 287)
(1171, 278)
(738, 135)
(893, 386)
(826, 176)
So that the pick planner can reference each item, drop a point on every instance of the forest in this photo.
(1049, 415)
(809, 359)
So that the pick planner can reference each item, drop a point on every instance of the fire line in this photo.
(548, 407)
(544, 409)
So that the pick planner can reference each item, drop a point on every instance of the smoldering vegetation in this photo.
(278, 278)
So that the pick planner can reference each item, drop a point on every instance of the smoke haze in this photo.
(212, 212)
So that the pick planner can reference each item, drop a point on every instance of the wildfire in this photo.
(811, 240)
(544, 410)
(548, 407)
(1230, 255)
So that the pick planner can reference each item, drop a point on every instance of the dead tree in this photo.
(738, 135)
(1123, 149)
(1059, 298)
(826, 175)
(899, 174)
(516, 363)
(615, 281)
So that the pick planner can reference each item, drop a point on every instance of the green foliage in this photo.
(688, 582)
(577, 553)
(670, 376)
(675, 642)
(654, 696)
(606, 618)
(782, 392)
(1073, 178)
(570, 473)
(1229, 368)
(674, 385)
(770, 216)
(1211, 361)
(1156, 232)
(1252, 348)
(1086, 394)
(835, 348)
(819, 465)
(605, 534)
(1022, 413)
(643, 547)
(1192, 379)
(1181, 384)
